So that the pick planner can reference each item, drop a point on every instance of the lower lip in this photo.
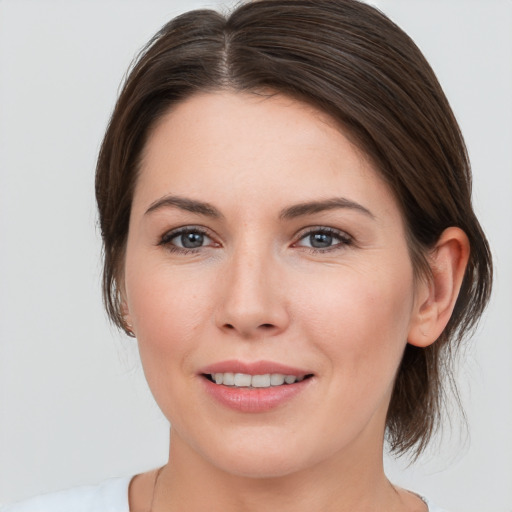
(254, 400)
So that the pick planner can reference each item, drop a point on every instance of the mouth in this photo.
(246, 380)
(259, 393)
(255, 387)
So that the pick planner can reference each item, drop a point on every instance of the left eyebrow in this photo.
(312, 207)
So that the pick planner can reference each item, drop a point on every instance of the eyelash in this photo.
(171, 235)
(342, 238)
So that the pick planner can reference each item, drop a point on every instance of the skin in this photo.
(257, 290)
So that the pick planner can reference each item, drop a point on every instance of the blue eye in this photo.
(186, 239)
(324, 239)
(320, 240)
(189, 240)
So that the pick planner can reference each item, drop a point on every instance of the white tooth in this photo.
(300, 379)
(228, 379)
(289, 379)
(242, 380)
(219, 378)
(261, 381)
(276, 379)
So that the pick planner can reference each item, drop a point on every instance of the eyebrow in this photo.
(291, 212)
(312, 207)
(183, 203)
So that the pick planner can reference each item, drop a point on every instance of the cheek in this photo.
(168, 309)
(168, 314)
(361, 318)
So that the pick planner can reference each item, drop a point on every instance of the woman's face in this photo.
(262, 243)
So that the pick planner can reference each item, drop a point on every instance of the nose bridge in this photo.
(252, 302)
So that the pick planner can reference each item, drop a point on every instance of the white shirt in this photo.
(109, 496)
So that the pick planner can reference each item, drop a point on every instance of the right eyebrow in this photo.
(184, 203)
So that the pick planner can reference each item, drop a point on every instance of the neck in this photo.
(350, 481)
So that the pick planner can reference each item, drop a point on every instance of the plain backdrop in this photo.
(74, 408)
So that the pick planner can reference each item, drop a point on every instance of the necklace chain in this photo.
(157, 476)
(153, 494)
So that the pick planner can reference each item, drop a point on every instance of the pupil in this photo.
(321, 240)
(192, 240)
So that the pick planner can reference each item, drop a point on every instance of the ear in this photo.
(125, 312)
(436, 296)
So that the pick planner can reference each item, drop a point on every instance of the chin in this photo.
(261, 467)
(262, 456)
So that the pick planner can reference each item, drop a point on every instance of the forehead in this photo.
(252, 147)
(227, 117)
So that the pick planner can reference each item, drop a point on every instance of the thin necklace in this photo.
(154, 488)
(161, 468)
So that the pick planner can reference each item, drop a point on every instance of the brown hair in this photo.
(349, 60)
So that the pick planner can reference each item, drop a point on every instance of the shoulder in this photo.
(431, 507)
(109, 496)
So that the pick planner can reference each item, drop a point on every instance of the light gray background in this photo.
(74, 407)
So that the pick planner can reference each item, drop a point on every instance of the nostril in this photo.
(266, 328)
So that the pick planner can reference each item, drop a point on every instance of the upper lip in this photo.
(253, 368)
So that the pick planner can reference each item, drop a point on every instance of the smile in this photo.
(255, 387)
(245, 380)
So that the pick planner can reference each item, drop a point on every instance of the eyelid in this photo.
(165, 239)
(344, 238)
(322, 229)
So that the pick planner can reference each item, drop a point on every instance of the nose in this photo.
(253, 301)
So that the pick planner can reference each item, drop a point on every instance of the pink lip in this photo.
(254, 368)
(254, 400)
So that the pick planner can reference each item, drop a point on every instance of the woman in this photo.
(284, 200)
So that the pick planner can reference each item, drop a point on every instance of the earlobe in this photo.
(437, 294)
(127, 319)
(128, 326)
